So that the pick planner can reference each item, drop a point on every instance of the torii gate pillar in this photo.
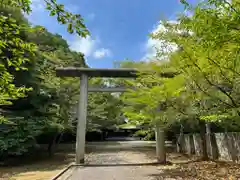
(82, 119)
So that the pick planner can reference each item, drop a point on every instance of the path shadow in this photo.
(117, 149)
(121, 164)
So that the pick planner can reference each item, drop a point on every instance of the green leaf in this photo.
(53, 13)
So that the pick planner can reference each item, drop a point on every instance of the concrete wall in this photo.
(221, 146)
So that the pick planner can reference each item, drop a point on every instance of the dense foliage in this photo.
(33, 101)
(201, 52)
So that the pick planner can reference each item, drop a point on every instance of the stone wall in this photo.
(221, 146)
(197, 144)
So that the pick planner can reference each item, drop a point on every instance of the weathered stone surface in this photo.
(212, 148)
(236, 140)
(223, 146)
(189, 144)
(178, 144)
(231, 146)
(181, 144)
(208, 142)
(197, 144)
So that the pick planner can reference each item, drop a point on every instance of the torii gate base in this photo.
(84, 73)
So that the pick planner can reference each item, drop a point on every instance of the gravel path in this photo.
(126, 163)
(123, 165)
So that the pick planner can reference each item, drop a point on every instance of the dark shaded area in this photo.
(39, 157)
(127, 164)
(93, 136)
(202, 126)
(109, 149)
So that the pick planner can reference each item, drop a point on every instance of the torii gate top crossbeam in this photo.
(96, 72)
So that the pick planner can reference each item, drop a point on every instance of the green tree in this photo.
(29, 88)
(148, 101)
(18, 47)
(205, 85)
(208, 52)
(104, 109)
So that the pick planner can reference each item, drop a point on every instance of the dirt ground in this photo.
(182, 167)
(43, 169)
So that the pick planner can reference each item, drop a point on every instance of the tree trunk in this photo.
(181, 140)
(160, 145)
(59, 139)
(203, 139)
(211, 142)
(52, 144)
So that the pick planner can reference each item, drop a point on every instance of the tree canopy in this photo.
(205, 65)
(204, 57)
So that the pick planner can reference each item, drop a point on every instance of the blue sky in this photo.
(119, 29)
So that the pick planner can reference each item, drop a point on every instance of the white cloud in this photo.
(89, 47)
(153, 46)
(37, 5)
(100, 53)
(84, 45)
(38, 8)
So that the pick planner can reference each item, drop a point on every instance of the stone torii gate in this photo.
(84, 74)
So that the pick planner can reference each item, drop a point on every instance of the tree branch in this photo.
(210, 83)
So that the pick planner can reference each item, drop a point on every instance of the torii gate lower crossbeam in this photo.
(84, 73)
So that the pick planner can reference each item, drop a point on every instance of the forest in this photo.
(191, 85)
